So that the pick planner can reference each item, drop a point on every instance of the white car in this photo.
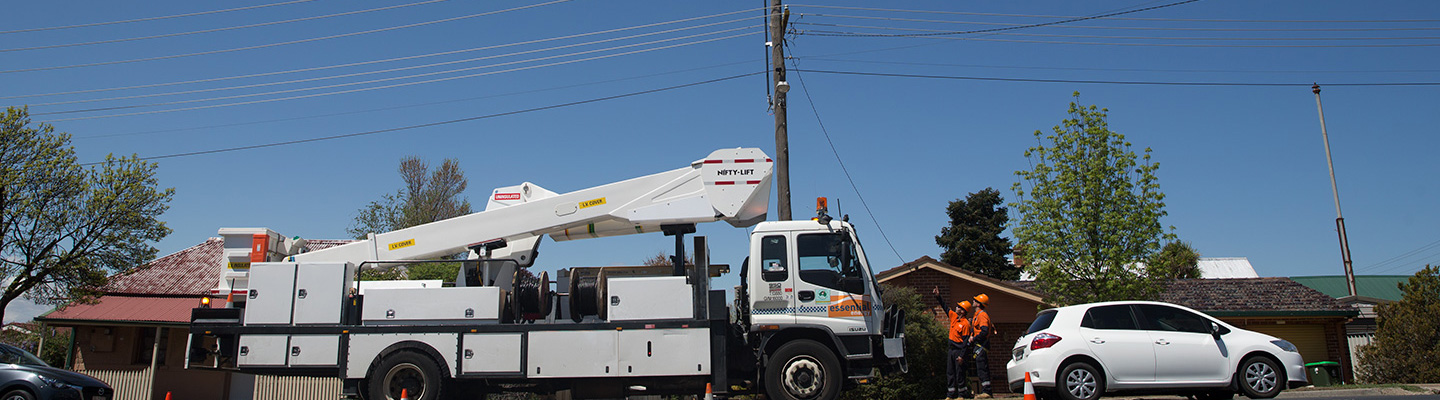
(1084, 351)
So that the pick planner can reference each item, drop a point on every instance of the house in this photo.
(1370, 290)
(134, 337)
(1276, 306)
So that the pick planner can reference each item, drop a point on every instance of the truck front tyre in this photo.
(412, 373)
(803, 370)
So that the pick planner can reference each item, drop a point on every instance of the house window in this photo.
(145, 347)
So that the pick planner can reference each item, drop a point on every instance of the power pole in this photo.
(1339, 219)
(779, 17)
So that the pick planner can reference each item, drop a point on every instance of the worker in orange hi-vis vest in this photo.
(961, 333)
(980, 343)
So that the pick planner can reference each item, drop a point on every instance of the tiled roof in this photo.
(128, 309)
(189, 272)
(1242, 296)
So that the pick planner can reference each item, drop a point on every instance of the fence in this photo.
(295, 388)
(129, 384)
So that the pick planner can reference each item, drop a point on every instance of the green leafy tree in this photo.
(65, 228)
(1089, 211)
(1177, 260)
(972, 241)
(925, 350)
(1406, 344)
(427, 197)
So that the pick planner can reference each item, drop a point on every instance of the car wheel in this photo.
(803, 369)
(414, 374)
(1260, 378)
(18, 394)
(1080, 381)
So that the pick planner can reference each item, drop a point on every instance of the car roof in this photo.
(1087, 306)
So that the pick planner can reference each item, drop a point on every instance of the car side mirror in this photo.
(1215, 330)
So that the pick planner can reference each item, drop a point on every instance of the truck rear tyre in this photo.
(412, 373)
(803, 370)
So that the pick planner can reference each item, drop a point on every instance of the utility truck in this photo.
(807, 320)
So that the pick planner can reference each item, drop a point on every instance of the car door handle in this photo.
(807, 295)
(1097, 341)
(1162, 342)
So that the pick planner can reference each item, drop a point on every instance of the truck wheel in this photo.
(803, 369)
(413, 373)
(1260, 378)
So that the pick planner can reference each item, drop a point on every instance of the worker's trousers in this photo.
(956, 362)
(982, 367)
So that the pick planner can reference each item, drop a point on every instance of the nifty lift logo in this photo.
(733, 172)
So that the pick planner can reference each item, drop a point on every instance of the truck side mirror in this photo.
(852, 285)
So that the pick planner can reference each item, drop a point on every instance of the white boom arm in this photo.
(732, 185)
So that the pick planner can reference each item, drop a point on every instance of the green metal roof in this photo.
(1384, 287)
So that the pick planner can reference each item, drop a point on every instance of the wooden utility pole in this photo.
(779, 17)
(1339, 218)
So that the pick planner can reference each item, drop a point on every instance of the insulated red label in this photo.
(507, 196)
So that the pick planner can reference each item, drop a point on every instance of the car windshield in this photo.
(1042, 321)
(12, 355)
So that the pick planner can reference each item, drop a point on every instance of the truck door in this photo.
(772, 289)
(831, 289)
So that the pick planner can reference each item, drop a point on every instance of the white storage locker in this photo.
(263, 350)
(490, 353)
(458, 305)
(314, 350)
(272, 289)
(574, 354)
(658, 297)
(664, 352)
(320, 292)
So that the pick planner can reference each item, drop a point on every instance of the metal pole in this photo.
(1339, 218)
(782, 141)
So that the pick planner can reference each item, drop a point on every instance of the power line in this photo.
(1125, 37)
(1151, 83)
(1402, 256)
(372, 110)
(1295, 71)
(433, 124)
(230, 28)
(395, 69)
(840, 33)
(1147, 28)
(841, 161)
(402, 84)
(135, 60)
(1125, 18)
(991, 30)
(153, 18)
(393, 59)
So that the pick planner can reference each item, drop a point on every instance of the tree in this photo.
(1406, 344)
(972, 241)
(65, 228)
(925, 351)
(427, 197)
(1177, 260)
(663, 259)
(1089, 212)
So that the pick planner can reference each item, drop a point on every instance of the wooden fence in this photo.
(129, 384)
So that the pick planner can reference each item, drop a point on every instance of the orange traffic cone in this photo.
(167, 395)
(404, 395)
(1029, 388)
(708, 394)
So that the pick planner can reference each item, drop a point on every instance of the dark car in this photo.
(25, 377)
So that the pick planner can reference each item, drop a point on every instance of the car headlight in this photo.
(58, 384)
(1284, 345)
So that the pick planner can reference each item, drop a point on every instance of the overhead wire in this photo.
(229, 28)
(1008, 28)
(405, 83)
(1140, 44)
(1212, 38)
(353, 64)
(1328, 21)
(1113, 82)
(153, 18)
(1148, 28)
(1402, 256)
(267, 45)
(425, 104)
(401, 68)
(811, 100)
(1295, 71)
(433, 124)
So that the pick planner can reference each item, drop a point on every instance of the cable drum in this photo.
(583, 294)
(531, 296)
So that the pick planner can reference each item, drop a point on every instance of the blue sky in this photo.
(1243, 167)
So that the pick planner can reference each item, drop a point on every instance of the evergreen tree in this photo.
(1407, 344)
(972, 241)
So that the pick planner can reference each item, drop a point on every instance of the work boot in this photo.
(984, 396)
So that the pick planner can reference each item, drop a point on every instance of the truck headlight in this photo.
(1284, 345)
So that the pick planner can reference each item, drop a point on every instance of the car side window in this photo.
(1171, 319)
(1109, 317)
(8, 356)
(772, 259)
(821, 261)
